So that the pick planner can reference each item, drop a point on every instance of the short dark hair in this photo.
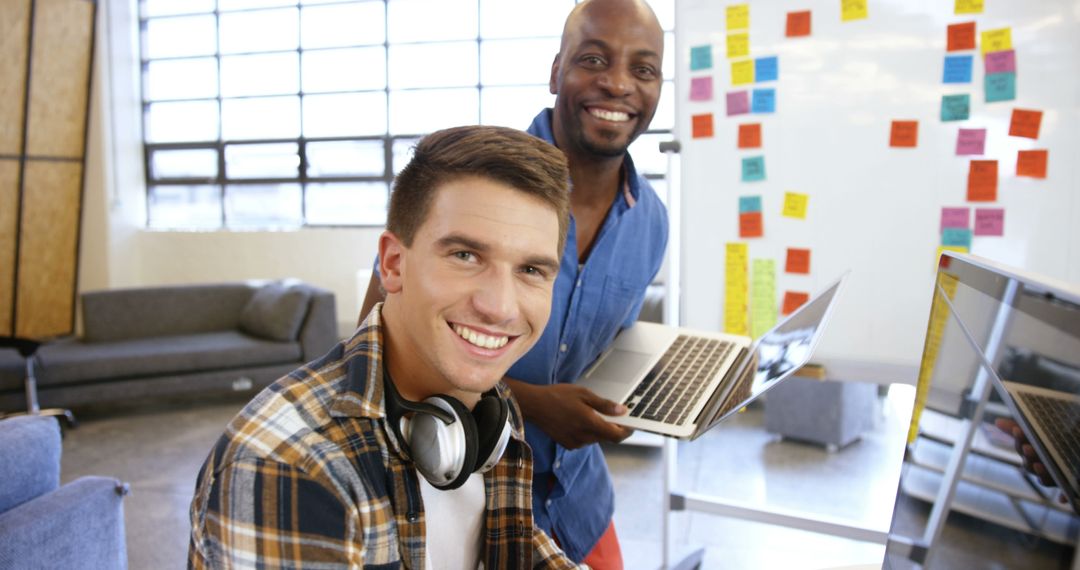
(512, 157)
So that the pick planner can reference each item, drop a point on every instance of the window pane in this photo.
(264, 74)
(184, 163)
(664, 119)
(345, 158)
(346, 114)
(264, 30)
(343, 25)
(262, 206)
(502, 19)
(184, 207)
(228, 5)
(172, 7)
(647, 156)
(178, 37)
(423, 111)
(433, 65)
(280, 160)
(403, 152)
(513, 107)
(507, 62)
(181, 79)
(260, 118)
(182, 121)
(344, 69)
(431, 20)
(354, 203)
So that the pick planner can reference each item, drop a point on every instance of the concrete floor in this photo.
(158, 448)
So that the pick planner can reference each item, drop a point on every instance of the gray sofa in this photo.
(190, 339)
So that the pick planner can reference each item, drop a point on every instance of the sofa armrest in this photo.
(79, 525)
(319, 331)
(29, 459)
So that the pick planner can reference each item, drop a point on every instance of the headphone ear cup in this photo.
(492, 424)
(444, 453)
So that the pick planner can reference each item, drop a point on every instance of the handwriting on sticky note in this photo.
(750, 135)
(968, 7)
(753, 169)
(1032, 163)
(738, 17)
(701, 126)
(957, 69)
(700, 57)
(701, 88)
(793, 300)
(766, 68)
(1025, 123)
(961, 37)
(955, 107)
(1001, 61)
(904, 134)
(996, 40)
(956, 237)
(742, 72)
(852, 10)
(798, 260)
(970, 141)
(749, 204)
(764, 101)
(954, 218)
(989, 221)
(751, 225)
(795, 205)
(763, 296)
(798, 24)
(735, 289)
(999, 87)
(738, 103)
(738, 45)
(982, 181)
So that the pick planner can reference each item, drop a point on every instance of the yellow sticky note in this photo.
(742, 72)
(762, 296)
(853, 10)
(939, 314)
(943, 248)
(738, 17)
(738, 45)
(795, 205)
(996, 40)
(736, 285)
(969, 6)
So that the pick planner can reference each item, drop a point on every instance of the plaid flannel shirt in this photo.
(307, 475)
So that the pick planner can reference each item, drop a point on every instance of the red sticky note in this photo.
(798, 260)
(798, 24)
(793, 300)
(982, 181)
(750, 135)
(1025, 123)
(751, 224)
(989, 221)
(954, 218)
(701, 126)
(1032, 163)
(904, 134)
(961, 36)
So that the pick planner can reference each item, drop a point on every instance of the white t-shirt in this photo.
(455, 523)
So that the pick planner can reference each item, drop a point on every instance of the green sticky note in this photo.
(956, 237)
(1000, 87)
(700, 57)
(753, 169)
(955, 107)
(762, 296)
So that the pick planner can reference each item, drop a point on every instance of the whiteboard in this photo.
(873, 209)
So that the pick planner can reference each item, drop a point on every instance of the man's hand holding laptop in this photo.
(572, 414)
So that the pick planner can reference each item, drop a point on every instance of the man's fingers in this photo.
(605, 406)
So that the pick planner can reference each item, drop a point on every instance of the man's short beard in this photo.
(609, 151)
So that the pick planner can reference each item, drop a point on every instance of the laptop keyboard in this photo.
(1061, 420)
(670, 390)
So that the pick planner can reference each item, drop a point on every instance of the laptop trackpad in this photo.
(617, 375)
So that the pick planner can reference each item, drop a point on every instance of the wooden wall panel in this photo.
(59, 78)
(14, 39)
(9, 191)
(48, 248)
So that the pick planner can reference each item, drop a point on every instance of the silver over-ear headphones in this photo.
(446, 441)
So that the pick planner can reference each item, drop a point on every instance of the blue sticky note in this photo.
(1000, 87)
(958, 68)
(700, 57)
(956, 237)
(753, 169)
(749, 204)
(763, 101)
(955, 107)
(766, 69)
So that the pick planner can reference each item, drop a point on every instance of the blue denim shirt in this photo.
(590, 305)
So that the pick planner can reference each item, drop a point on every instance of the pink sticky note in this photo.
(954, 218)
(701, 89)
(738, 103)
(971, 141)
(989, 221)
(1001, 61)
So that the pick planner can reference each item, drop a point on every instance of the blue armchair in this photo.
(44, 524)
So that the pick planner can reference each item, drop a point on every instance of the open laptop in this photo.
(680, 382)
(1051, 419)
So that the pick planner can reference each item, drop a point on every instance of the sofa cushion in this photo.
(12, 370)
(275, 312)
(69, 360)
(124, 314)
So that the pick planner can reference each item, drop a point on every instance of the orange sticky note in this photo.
(1032, 163)
(1025, 123)
(798, 260)
(701, 126)
(793, 300)
(904, 134)
(961, 36)
(750, 135)
(982, 181)
(751, 224)
(798, 24)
